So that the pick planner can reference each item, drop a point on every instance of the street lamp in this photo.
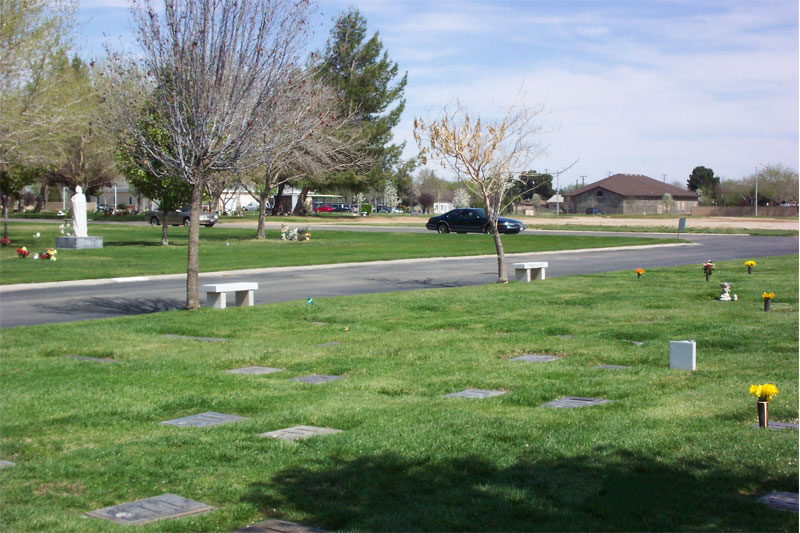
(756, 198)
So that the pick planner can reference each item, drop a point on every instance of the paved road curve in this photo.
(74, 301)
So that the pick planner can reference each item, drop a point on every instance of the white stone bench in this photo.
(530, 271)
(217, 297)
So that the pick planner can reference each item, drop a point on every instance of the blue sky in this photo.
(640, 87)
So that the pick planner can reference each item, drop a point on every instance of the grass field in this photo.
(673, 450)
(136, 250)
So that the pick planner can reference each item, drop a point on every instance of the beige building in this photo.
(630, 194)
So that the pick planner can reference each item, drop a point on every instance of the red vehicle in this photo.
(323, 209)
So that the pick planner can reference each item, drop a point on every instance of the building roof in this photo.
(635, 185)
(556, 198)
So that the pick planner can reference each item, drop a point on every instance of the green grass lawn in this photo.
(136, 250)
(673, 450)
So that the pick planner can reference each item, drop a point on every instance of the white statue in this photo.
(726, 292)
(79, 213)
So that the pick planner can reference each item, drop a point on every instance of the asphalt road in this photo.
(72, 301)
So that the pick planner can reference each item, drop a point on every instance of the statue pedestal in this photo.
(78, 243)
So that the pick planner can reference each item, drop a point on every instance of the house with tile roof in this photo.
(631, 194)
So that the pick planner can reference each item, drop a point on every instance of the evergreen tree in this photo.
(364, 77)
(702, 180)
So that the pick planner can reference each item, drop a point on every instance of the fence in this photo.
(743, 211)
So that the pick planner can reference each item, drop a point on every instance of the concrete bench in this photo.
(217, 297)
(530, 271)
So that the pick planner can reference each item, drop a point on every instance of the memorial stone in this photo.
(683, 355)
(150, 509)
(475, 394)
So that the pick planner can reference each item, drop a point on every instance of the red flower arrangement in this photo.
(22, 252)
(5, 241)
(708, 268)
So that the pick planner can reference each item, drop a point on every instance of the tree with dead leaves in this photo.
(486, 157)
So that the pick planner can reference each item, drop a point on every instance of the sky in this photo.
(633, 87)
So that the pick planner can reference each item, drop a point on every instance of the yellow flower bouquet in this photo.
(765, 392)
(750, 264)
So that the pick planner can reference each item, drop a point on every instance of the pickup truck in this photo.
(180, 217)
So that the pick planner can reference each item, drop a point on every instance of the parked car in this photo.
(387, 209)
(323, 209)
(254, 207)
(342, 208)
(180, 217)
(471, 220)
(594, 211)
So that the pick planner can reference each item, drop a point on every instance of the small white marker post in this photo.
(683, 355)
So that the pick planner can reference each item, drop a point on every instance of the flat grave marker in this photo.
(205, 339)
(299, 432)
(535, 358)
(571, 402)
(781, 501)
(320, 323)
(7, 464)
(91, 359)
(637, 343)
(778, 425)
(612, 367)
(150, 509)
(330, 344)
(204, 419)
(475, 394)
(316, 379)
(278, 526)
(256, 370)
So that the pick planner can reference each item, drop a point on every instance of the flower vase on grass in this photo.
(764, 394)
(22, 252)
(639, 272)
(708, 268)
(768, 296)
(750, 264)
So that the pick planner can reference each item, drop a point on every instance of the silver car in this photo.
(180, 217)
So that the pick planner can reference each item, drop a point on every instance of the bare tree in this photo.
(484, 158)
(210, 70)
(305, 137)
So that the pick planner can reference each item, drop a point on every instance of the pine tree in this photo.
(363, 75)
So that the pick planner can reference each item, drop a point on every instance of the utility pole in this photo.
(583, 181)
(756, 198)
(664, 178)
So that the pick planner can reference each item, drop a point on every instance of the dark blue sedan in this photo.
(471, 220)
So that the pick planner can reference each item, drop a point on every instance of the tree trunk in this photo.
(262, 207)
(41, 200)
(193, 263)
(299, 209)
(278, 199)
(502, 275)
(262, 214)
(5, 217)
(164, 225)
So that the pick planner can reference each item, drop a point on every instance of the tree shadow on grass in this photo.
(112, 306)
(616, 491)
